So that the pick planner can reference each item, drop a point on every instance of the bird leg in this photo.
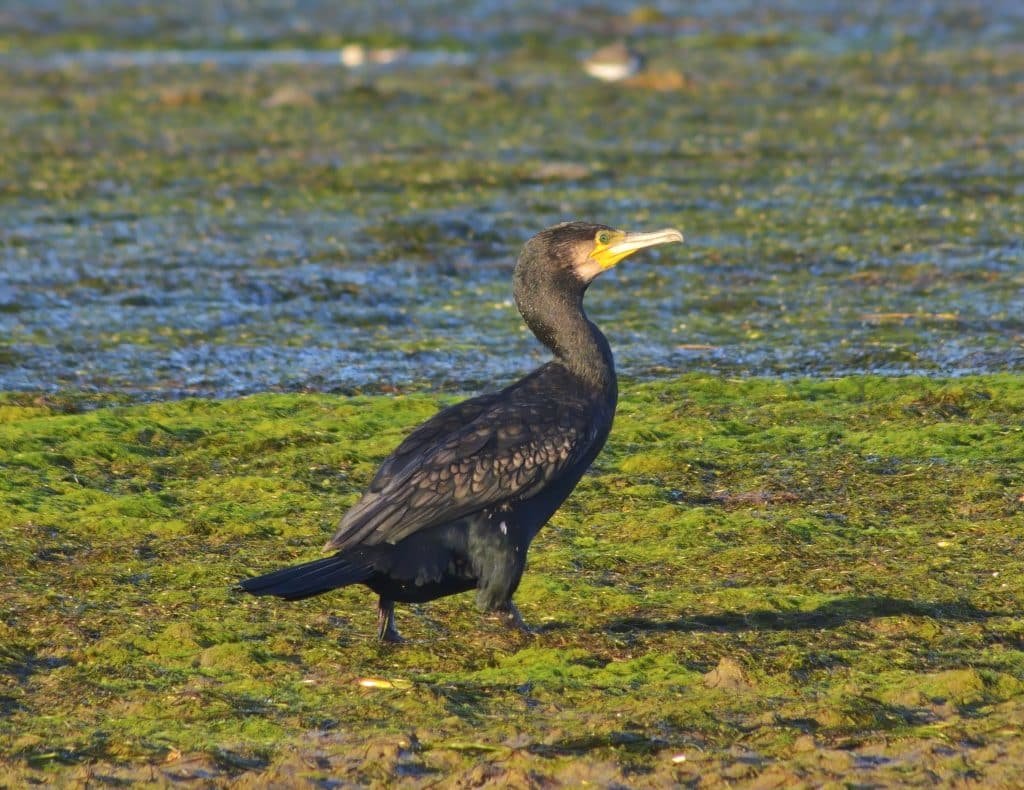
(511, 617)
(386, 630)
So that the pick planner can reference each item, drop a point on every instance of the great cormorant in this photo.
(456, 505)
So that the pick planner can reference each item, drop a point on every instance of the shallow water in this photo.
(216, 221)
(236, 59)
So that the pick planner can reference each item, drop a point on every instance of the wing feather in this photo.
(440, 425)
(477, 454)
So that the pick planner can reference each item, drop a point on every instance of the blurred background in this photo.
(220, 198)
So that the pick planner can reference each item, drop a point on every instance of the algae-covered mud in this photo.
(772, 575)
(849, 180)
(760, 581)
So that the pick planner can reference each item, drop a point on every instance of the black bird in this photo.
(456, 505)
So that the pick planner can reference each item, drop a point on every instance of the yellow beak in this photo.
(623, 244)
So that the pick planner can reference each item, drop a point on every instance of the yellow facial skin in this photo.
(611, 246)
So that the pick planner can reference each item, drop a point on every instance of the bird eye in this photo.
(603, 237)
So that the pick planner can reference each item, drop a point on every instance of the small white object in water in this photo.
(356, 55)
(352, 55)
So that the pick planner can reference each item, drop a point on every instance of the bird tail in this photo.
(308, 579)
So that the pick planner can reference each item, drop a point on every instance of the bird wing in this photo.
(518, 442)
(445, 422)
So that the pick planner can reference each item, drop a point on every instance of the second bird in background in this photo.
(614, 63)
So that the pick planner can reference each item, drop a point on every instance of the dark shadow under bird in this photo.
(455, 506)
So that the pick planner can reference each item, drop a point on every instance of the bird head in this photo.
(580, 251)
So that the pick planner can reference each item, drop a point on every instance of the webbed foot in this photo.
(513, 619)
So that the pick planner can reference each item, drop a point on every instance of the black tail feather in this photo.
(308, 579)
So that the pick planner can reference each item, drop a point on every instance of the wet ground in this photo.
(765, 582)
(215, 217)
(762, 583)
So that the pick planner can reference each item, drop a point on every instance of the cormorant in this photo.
(457, 503)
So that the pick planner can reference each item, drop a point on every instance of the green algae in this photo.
(751, 563)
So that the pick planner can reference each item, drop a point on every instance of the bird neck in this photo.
(560, 323)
